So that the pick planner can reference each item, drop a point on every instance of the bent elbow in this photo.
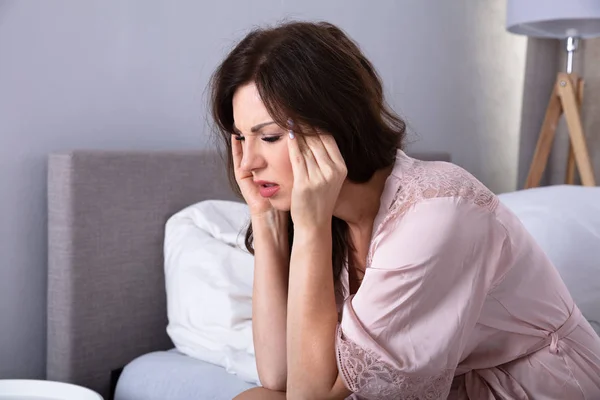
(273, 381)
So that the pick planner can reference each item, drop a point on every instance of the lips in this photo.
(267, 189)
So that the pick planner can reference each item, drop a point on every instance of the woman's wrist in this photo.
(271, 228)
(312, 233)
(313, 227)
(272, 219)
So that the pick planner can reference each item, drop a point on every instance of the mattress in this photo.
(171, 375)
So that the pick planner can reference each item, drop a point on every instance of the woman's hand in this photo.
(258, 205)
(319, 172)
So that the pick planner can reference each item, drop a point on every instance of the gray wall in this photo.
(132, 74)
(591, 101)
(540, 74)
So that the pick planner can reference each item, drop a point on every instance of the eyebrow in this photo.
(255, 128)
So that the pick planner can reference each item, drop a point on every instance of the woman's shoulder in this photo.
(439, 199)
(430, 184)
(418, 180)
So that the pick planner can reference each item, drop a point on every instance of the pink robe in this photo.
(458, 301)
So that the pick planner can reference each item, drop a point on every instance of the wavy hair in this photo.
(315, 74)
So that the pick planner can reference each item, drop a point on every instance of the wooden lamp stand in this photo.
(567, 97)
(573, 21)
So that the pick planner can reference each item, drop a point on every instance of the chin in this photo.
(281, 204)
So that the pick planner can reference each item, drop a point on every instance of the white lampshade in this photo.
(557, 19)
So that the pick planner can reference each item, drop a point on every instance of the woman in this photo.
(379, 276)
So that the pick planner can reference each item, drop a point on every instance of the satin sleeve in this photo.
(402, 334)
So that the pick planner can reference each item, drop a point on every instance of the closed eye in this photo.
(271, 139)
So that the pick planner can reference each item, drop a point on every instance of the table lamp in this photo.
(572, 21)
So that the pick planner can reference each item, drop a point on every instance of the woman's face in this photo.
(264, 147)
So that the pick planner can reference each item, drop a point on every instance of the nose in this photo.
(252, 159)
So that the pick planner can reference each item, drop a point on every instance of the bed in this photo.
(106, 289)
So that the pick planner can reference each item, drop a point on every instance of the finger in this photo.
(312, 166)
(236, 152)
(296, 159)
(319, 151)
(306, 150)
(332, 149)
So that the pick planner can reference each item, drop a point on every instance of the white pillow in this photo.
(209, 275)
(565, 221)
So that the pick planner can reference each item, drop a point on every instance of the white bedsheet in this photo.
(170, 375)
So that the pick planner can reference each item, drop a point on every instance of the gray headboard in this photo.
(106, 289)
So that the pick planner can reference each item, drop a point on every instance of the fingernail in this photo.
(291, 132)
(290, 122)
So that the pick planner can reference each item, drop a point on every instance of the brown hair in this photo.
(314, 74)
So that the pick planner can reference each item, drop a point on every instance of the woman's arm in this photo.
(319, 172)
(312, 319)
(269, 297)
